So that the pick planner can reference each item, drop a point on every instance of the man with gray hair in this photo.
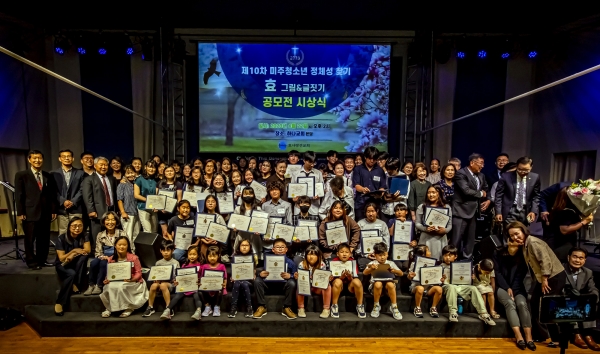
(99, 196)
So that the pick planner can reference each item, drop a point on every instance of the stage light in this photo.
(482, 54)
(102, 51)
(147, 50)
(128, 45)
(81, 50)
(460, 55)
(505, 55)
(61, 45)
(532, 54)
(79, 43)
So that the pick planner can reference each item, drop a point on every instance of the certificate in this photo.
(368, 244)
(186, 283)
(202, 222)
(201, 196)
(383, 272)
(258, 225)
(119, 271)
(441, 210)
(301, 233)
(336, 236)
(400, 251)
(167, 192)
(275, 220)
(213, 274)
(334, 224)
(399, 184)
(239, 222)
(460, 273)
(422, 262)
(170, 204)
(369, 233)
(338, 267)
(183, 237)
(403, 231)
(297, 190)
(243, 259)
(260, 191)
(301, 222)
(275, 265)
(320, 278)
(303, 282)
(437, 219)
(186, 271)
(190, 197)
(431, 275)
(319, 190)
(160, 273)
(217, 232)
(155, 202)
(226, 205)
(242, 271)
(283, 231)
(269, 233)
(211, 284)
(292, 170)
(310, 183)
(260, 214)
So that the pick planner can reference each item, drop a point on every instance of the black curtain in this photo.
(480, 83)
(192, 108)
(107, 129)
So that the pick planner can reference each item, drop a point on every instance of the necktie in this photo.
(477, 180)
(107, 196)
(520, 194)
(39, 180)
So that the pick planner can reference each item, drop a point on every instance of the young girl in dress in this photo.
(182, 219)
(484, 280)
(127, 295)
(194, 259)
(168, 183)
(211, 206)
(371, 222)
(434, 237)
(212, 299)
(418, 289)
(313, 259)
(244, 249)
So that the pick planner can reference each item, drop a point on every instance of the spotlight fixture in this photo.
(507, 48)
(532, 54)
(79, 43)
(61, 45)
(128, 45)
(147, 49)
(102, 50)
(482, 54)
(460, 54)
(505, 55)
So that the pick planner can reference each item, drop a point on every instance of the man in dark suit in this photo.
(501, 161)
(35, 194)
(68, 190)
(518, 194)
(582, 279)
(99, 195)
(470, 189)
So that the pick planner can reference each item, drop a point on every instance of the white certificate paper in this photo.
(186, 283)
(460, 273)
(202, 223)
(119, 271)
(186, 271)
(217, 232)
(437, 219)
(259, 214)
(422, 262)
(319, 190)
(226, 204)
(211, 284)
(303, 282)
(160, 273)
(297, 189)
(183, 237)
(441, 210)
(336, 236)
(242, 271)
(260, 191)
(338, 267)
(291, 170)
(170, 204)
(301, 233)
(283, 231)
(368, 243)
(400, 251)
(334, 224)
(320, 278)
(258, 225)
(190, 197)
(431, 275)
(310, 183)
(239, 222)
(157, 202)
(269, 233)
(243, 259)
(168, 193)
(275, 265)
(403, 231)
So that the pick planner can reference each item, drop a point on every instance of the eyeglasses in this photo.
(280, 247)
(76, 226)
(524, 171)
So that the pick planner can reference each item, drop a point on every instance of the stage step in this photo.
(90, 324)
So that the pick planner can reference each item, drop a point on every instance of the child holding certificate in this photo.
(337, 212)
(418, 289)
(170, 184)
(449, 255)
(184, 218)
(249, 203)
(143, 187)
(193, 260)
(244, 249)
(211, 206)
(298, 247)
(166, 287)
(212, 299)
(433, 236)
(346, 284)
(129, 294)
(376, 286)
(484, 281)
(313, 259)
(371, 222)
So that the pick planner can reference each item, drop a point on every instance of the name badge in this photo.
(188, 222)
(377, 227)
(376, 178)
(281, 211)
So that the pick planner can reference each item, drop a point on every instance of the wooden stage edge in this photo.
(23, 339)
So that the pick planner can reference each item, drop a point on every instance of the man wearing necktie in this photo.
(501, 161)
(518, 194)
(35, 196)
(99, 195)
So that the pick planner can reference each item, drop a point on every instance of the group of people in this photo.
(102, 208)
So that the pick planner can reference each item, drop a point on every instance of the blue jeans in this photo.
(98, 272)
(245, 285)
(179, 255)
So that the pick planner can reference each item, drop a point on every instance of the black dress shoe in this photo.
(521, 344)
(531, 346)
(62, 313)
(46, 264)
(552, 345)
(34, 267)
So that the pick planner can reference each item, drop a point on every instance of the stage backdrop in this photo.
(281, 97)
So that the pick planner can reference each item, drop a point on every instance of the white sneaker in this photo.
(105, 314)
(207, 311)
(325, 313)
(167, 314)
(198, 314)
(487, 319)
(453, 317)
(376, 311)
(301, 313)
(395, 312)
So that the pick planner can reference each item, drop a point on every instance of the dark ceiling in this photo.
(448, 16)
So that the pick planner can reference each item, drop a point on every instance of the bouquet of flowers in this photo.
(585, 195)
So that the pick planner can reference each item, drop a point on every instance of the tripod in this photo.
(18, 252)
